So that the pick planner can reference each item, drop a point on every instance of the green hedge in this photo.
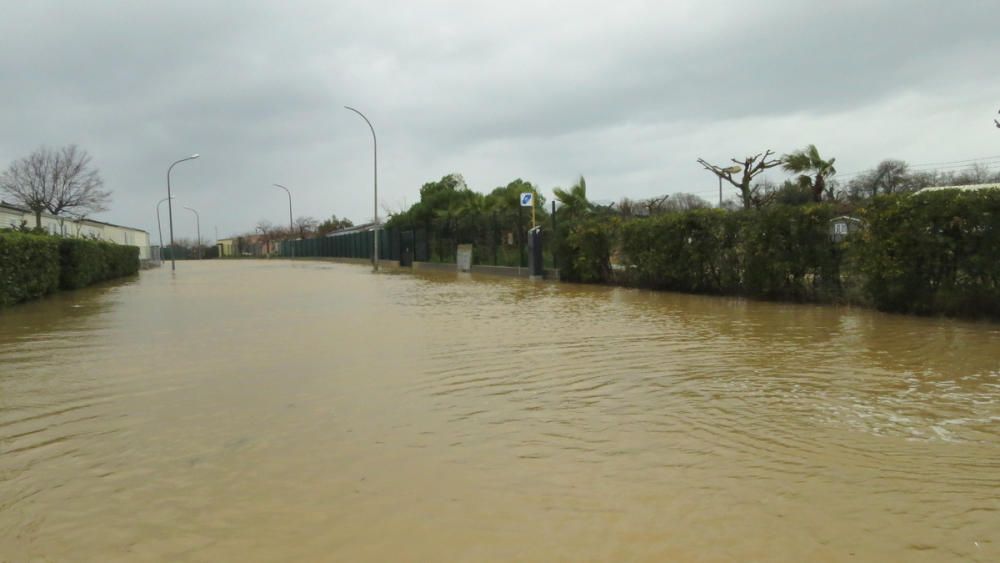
(682, 251)
(779, 252)
(586, 246)
(85, 262)
(29, 267)
(935, 252)
(34, 265)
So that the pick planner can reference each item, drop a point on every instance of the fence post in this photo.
(552, 245)
(520, 237)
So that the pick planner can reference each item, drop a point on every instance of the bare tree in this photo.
(266, 233)
(890, 176)
(685, 202)
(642, 207)
(748, 168)
(58, 181)
(305, 226)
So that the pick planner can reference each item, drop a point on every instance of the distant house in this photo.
(227, 247)
(843, 226)
(13, 216)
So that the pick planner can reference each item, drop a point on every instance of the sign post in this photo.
(528, 200)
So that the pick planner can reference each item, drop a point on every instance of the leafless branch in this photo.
(60, 182)
(750, 166)
(720, 172)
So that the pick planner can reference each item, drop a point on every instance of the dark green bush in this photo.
(29, 267)
(120, 261)
(778, 252)
(81, 263)
(34, 265)
(933, 252)
(681, 251)
(787, 253)
(85, 262)
(587, 245)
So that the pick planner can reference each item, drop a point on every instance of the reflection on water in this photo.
(313, 411)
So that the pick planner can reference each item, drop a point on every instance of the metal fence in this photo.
(491, 246)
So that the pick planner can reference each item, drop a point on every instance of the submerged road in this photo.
(278, 411)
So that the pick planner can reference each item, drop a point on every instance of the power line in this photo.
(942, 165)
(987, 164)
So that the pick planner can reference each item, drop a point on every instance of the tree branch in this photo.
(718, 171)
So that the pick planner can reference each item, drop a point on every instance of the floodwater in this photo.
(310, 411)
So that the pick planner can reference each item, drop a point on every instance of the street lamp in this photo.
(291, 229)
(732, 170)
(197, 219)
(375, 162)
(159, 228)
(170, 211)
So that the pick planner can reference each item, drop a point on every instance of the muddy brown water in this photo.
(310, 411)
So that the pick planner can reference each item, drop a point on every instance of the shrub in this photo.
(776, 252)
(934, 252)
(685, 251)
(85, 262)
(29, 267)
(587, 246)
(788, 254)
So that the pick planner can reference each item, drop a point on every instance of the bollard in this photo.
(536, 267)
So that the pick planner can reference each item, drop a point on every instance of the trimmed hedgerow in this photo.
(933, 252)
(29, 267)
(780, 252)
(85, 262)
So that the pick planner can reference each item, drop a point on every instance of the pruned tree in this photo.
(655, 205)
(58, 181)
(746, 170)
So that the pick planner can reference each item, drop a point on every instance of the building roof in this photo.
(4, 204)
(969, 187)
(350, 230)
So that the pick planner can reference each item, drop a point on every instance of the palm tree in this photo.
(807, 161)
(574, 200)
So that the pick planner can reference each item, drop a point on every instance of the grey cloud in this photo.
(626, 93)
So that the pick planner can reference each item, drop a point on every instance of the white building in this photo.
(971, 187)
(13, 216)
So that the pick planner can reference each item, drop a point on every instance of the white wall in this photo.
(83, 229)
(9, 219)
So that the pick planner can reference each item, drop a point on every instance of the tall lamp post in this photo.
(197, 219)
(375, 162)
(159, 228)
(291, 226)
(170, 211)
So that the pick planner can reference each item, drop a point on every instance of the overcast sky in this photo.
(628, 94)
